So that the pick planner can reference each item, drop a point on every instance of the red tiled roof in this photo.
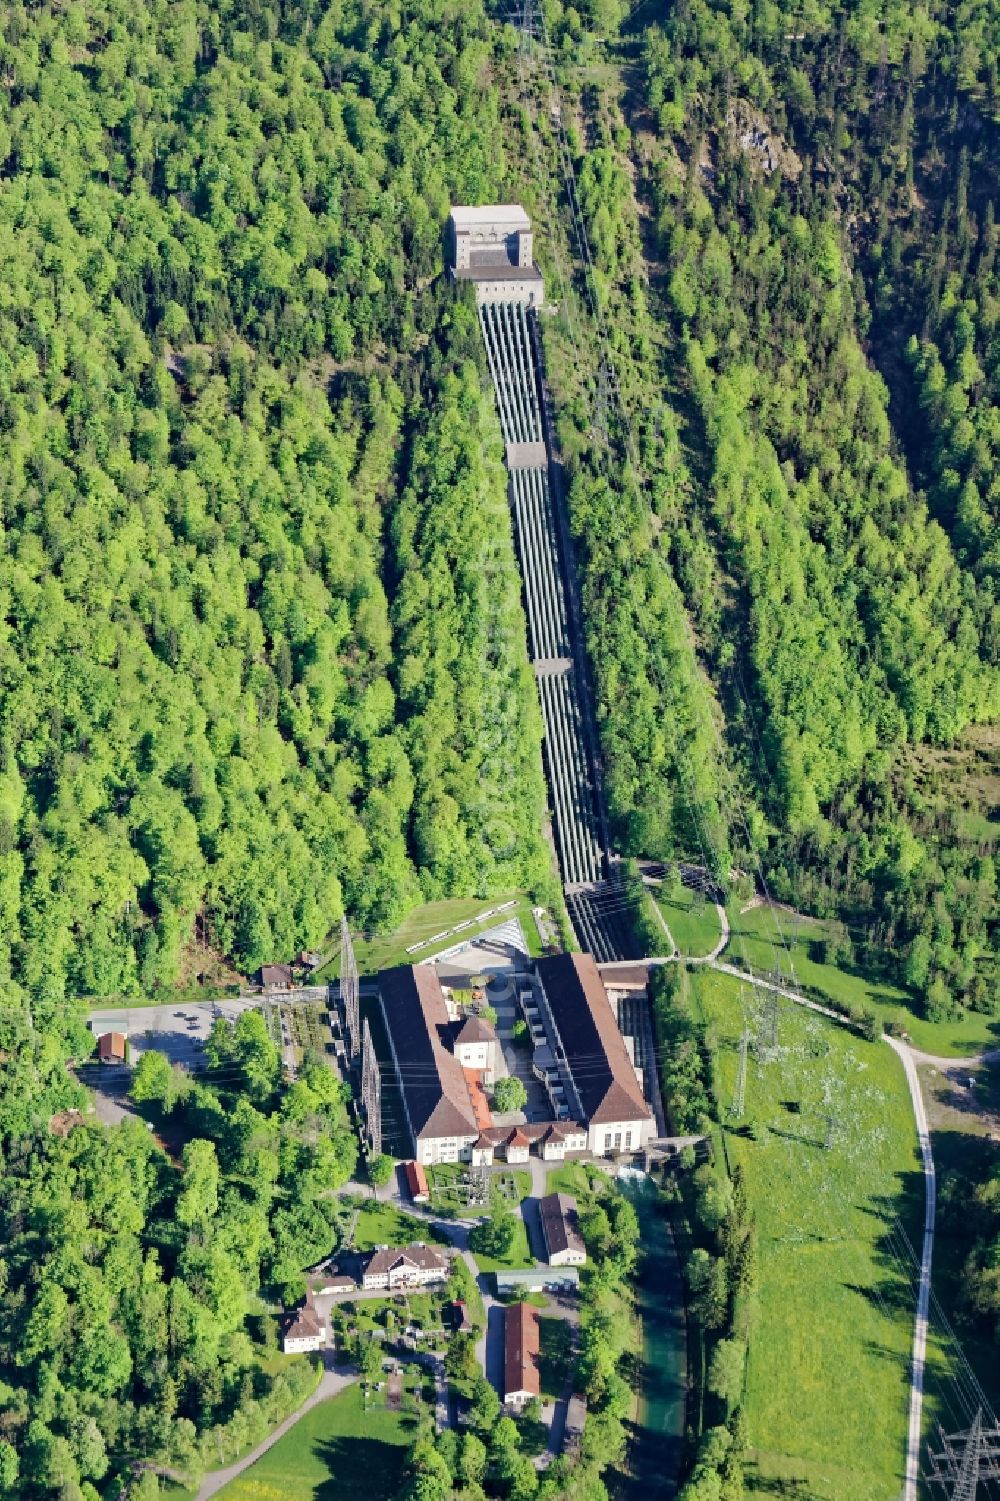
(416, 1180)
(521, 1350)
(111, 1045)
(474, 1081)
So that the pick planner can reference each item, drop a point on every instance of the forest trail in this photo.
(990, 1055)
(331, 1384)
(722, 944)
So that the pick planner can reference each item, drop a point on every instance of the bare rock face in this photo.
(755, 137)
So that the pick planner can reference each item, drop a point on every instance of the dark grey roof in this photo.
(595, 1050)
(437, 1096)
(559, 1224)
(497, 273)
(272, 975)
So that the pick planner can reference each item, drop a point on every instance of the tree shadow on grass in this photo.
(803, 1141)
(361, 1466)
(789, 1487)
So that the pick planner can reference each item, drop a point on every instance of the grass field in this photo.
(384, 1225)
(693, 921)
(832, 1330)
(337, 1449)
(569, 1178)
(754, 935)
(518, 1258)
(382, 951)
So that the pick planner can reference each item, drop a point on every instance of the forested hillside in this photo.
(261, 629)
(794, 242)
(262, 657)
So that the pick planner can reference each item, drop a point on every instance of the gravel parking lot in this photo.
(177, 1030)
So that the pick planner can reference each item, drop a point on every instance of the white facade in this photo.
(405, 1274)
(555, 1148)
(528, 291)
(490, 227)
(569, 1257)
(492, 245)
(432, 1149)
(302, 1344)
(478, 1055)
(619, 1136)
(518, 1401)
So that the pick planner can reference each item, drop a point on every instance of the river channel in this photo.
(658, 1450)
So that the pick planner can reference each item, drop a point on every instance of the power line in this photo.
(964, 1459)
(534, 34)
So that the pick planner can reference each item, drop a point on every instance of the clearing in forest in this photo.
(833, 1324)
(757, 937)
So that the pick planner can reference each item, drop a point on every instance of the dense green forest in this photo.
(132, 1323)
(794, 244)
(262, 656)
(242, 682)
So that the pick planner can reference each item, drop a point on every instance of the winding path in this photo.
(917, 1369)
(910, 1057)
(331, 1384)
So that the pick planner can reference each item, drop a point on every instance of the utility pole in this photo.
(965, 1459)
(371, 1092)
(349, 989)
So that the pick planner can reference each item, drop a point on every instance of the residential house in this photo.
(112, 1047)
(305, 1332)
(276, 976)
(409, 1266)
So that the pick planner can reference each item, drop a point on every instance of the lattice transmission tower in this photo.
(966, 1459)
(738, 1108)
(371, 1092)
(767, 1042)
(349, 989)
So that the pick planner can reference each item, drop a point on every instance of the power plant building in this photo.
(493, 247)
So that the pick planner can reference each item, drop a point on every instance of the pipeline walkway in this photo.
(597, 902)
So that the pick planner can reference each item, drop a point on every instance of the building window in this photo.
(628, 1140)
(618, 1141)
(607, 1141)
